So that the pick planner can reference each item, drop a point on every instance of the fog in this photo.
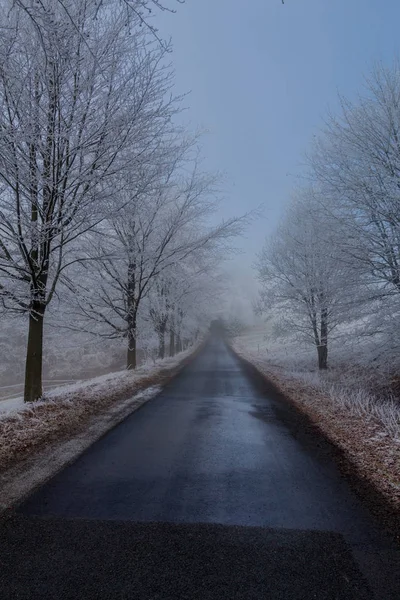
(262, 77)
(200, 298)
(258, 83)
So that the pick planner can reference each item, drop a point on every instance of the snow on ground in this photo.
(17, 482)
(25, 427)
(288, 352)
(11, 405)
(351, 382)
(352, 402)
(38, 439)
(92, 387)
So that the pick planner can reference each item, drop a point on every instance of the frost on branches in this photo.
(89, 160)
(333, 266)
(157, 251)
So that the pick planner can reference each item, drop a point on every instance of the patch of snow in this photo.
(11, 405)
(354, 386)
(21, 480)
(25, 422)
(91, 387)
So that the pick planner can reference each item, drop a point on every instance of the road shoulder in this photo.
(342, 433)
(52, 435)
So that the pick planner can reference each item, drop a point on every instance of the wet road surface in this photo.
(214, 489)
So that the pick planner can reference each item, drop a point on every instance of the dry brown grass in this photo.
(363, 438)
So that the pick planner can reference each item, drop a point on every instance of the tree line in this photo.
(104, 204)
(333, 264)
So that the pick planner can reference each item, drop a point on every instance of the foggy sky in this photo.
(262, 76)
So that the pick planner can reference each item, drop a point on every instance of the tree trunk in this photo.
(34, 355)
(322, 356)
(132, 308)
(131, 357)
(172, 343)
(178, 344)
(161, 343)
(131, 354)
(323, 347)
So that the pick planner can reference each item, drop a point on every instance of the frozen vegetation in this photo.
(367, 387)
(110, 250)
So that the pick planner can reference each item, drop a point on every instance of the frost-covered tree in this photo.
(136, 13)
(81, 96)
(304, 275)
(156, 230)
(184, 297)
(162, 308)
(357, 164)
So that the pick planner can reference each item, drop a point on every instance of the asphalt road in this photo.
(215, 489)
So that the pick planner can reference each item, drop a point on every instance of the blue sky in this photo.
(262, 76)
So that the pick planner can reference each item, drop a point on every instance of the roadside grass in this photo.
(363, 388)
(68, 410)
(384, 407)
(354, 404)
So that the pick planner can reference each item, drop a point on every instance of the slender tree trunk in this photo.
(322, 357)
(172, 342)
(132, 305)
(131, 354)
(161, 342)
(178, 344)
(34, 355)
(323, 347)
